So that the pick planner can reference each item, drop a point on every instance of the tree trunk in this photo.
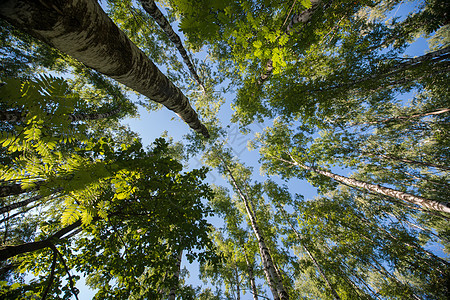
(172, 292)
(238, 288)
(313, 259)
(19, 204)
(153, 10)
(405, 118)
(273, 280)
(81, 29)
(251, 277)
(11, 251)
(435, 56)
(9, 217)
(408, 161)
(16, 189)
(23, 203)
(423, 202)
(93, 116)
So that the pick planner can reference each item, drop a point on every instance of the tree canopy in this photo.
(350, 97)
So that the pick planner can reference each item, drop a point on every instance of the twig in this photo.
(289, 14)
(50, 279)
(72, 288)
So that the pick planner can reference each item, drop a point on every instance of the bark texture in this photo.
(152, 9)
(274, 281)
(423, 202)
(81, 29)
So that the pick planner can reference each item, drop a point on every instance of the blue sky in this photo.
(151, 126)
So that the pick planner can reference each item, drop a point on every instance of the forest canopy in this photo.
(351, 98)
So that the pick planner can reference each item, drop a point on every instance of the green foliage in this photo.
(343, 97)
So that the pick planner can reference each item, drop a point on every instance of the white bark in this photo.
(423, 202)
(152, 9)
(274, 281)
(82, 29)
(172, 292)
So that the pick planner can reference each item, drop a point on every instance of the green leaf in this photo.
(257, 44)
(70, 215)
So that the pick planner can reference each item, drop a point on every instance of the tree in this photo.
(152, 9)
(234, 241)
(274, 280)
(359, 237)
(281, 197)
(131, 215)
(277, 144)
(80, 193)
(112, 53)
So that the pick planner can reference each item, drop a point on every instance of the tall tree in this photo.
(152, 9)
(281, 197)
(126, 226)
(279, 145)
(105, 49)
(224, 162)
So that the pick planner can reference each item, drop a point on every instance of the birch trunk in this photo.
(172, 292)
(153, 10)
(435, 56)
(81, 29)
(408, 161)
(404, 118)
(311, 256)
(273, 280)
(251, 278)
(423, 202)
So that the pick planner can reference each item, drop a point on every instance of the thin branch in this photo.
(50, 279)
(72, 287)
